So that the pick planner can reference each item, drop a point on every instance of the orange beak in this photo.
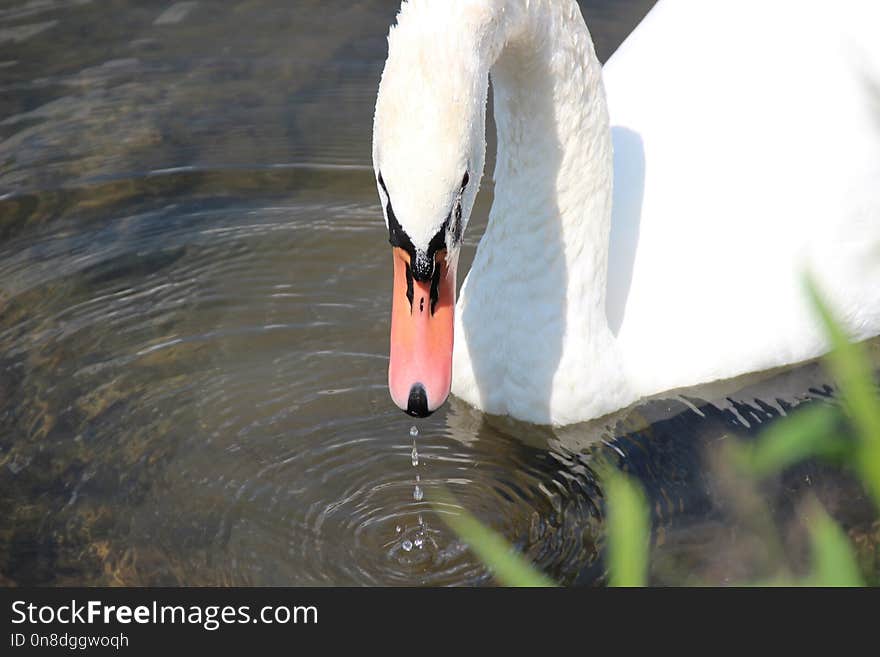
(422, 314)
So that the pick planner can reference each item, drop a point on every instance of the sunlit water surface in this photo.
(194, 303)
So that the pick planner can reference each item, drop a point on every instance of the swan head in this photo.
(428, 155)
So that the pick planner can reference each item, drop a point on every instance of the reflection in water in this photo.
(193, 330)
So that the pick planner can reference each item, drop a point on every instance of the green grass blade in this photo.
(834, 563)
(508, 567)
(628, 530)
(851, 368)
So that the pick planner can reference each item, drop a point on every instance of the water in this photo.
(194, 302)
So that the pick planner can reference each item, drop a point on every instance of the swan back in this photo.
(747, 152)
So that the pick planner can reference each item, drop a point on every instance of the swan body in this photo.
(651, 223)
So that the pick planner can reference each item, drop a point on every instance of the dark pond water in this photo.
(194, 305)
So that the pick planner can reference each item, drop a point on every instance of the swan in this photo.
(651, 222)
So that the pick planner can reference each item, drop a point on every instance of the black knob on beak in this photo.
(417, 406)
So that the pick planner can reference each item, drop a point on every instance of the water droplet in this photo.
(398, 529)
(407, 545)
(417, 493)
(414, 431)
(419, 542)
(415, 455)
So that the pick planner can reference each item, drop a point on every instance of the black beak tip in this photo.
(417, 405)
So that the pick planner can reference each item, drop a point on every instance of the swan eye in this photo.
(456, 223)
(456, 227)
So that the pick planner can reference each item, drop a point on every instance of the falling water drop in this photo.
(415, 454)
(417, 491)
(414, 431)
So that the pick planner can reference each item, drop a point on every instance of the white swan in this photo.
(746, 148)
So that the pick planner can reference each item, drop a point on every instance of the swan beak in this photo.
(422, 314)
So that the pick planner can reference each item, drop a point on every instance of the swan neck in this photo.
(553, 175)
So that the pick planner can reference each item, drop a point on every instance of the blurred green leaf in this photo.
(851, 368)
(808, 432)
(508, 567)
(834, 563)
(628, 530)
